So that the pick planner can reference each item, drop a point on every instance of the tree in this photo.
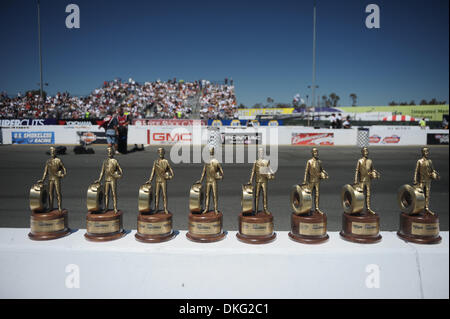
(423, 102)
(334, 99)
(412, 102)
(353, 97)
(433, 101)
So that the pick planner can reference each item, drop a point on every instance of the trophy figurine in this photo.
(205, 225)
(359, 224)
(308, 225)
(418, 224)
(46, 222)
(155, 226)
(256, 226)
(104, 224)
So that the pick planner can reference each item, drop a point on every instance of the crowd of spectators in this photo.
(218, 101)
(158, 99)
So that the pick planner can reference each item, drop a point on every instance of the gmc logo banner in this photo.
(437, 139)
(168, 137)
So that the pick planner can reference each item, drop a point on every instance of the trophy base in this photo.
(49, 225)
(420, 229)
(154, 227)
(309, 228)
(205, 228)
(104, 226)
(361, 228)
(256, 229)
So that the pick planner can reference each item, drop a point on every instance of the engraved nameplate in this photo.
(365, 228)
(425, 229)
(103, 227)
(159, 228)
(47, 226)
(312, 229)
(198, 228)
(257, 229)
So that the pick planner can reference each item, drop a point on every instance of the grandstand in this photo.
(158, 99)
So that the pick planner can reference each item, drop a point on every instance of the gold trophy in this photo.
(46, 222)
(358, 224)
(418, 224)
(205, 225)
(155, 226)
(255, 226)
(104, 224)
(309, 226)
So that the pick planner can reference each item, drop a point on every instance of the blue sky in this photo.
(265, 46)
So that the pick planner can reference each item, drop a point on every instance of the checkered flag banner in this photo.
(214, 138)
(363, 137)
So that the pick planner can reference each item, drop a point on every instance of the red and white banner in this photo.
(312, 139)
(399, 118)
(168, 122)
(396, 135)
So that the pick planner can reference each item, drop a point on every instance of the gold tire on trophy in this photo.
(154, 227)
(361, 228)
(205, 228)
(352, 199)
(256, 229)
(410, 199)
(49, 225)
(309, 228)
(301, 199)
(104, 226)
(419, 229)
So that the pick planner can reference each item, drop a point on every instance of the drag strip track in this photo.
(21, 166)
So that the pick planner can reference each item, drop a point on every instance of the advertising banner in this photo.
(22, 137)
(165, 136)
(396, 135)
(241, 138)
(437, 139)
(377, 113)
(247, 114)
(312, 138)
(27, 122)
(168, 122)
(89, 137)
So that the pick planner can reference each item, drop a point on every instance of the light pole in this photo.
(314, 57)
(40, 50)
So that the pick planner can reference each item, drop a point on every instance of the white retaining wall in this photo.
(196, 135)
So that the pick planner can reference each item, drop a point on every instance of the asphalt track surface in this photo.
(21, 166)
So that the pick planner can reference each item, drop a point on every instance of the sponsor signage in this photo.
(312, 138)
(89, 137)
(33, 137)
(27, 122)
(155, 137)
(241, 138)
(437, 138)
(168, 122)
(78, 122)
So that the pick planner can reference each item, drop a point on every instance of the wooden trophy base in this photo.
(205, 228)
(49, 225)
(361, 228)
(104, 226)
(154, 227)
(256, 229)
(309, 228)
(420, 229)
